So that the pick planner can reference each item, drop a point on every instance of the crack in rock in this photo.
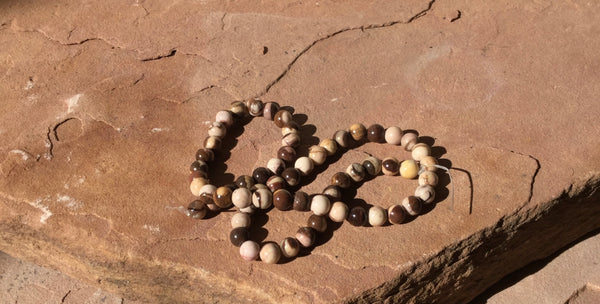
(537, 170)
(171, 53)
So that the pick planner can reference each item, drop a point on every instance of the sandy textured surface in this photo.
(105, 104)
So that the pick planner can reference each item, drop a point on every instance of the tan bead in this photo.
(212, 142)
(255, 107)
(428, 178)
(393, 135)
(330, 146)
(240, 219)
(318, 154)
(409, 140)
(343, 138)
(276, 165)
(249, 250)
(426, 193)
(239, 108)
(290, 247)
(241, 198)
(224, 117)
(339, 212)
(429, 163)
(217, 129)
(197, 184)
(262, 198)
(208, 189)
(222, 197)
(320, 204)
(197, 209)
(291, 139)
(356, 172)
(420, 150)
(305, 165)
(377, 216)
(270, 253)
(409, 169)
(288, 130)
(358, 131)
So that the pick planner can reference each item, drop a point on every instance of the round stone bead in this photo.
(239, 235)
(240, 219)
(199, 167)
(333, 192)
(425, 193)
(390, 166)
(396, 214)
(428, 178)
(291, 139)
(205, 155)
(339, 212)
(250, 209)
(262, 199)
(357, 216)
(269, 110)
(241, 198)
(222, 197)
(197, 184)
(197, 209)
(372, 165)
(282, 117)
(420, 150)
(358, 131)
(356, 172)
(320, 204)
(208, 190)
(258, 186)
(377, 216)
(239, 108)
(225, 117)
(275, 182)
(282, 199)
(287, 154)
(342, 138)
(244, 181)
(301, 201)
(305, 165)
(270, 253)
(317, 222)
(255, 107)
(261, 175)
(429, 163)
(249, 250)
(306, 236)
(318, 154)
(393, 136)
(291, 176)
(290, 127)
(409, 169)
(342, 180)
(276, 165)
(412, 205)
(329, 145)
(217, 129)
(409, 140)
(212, 142)
(290, 247)
(376, 133)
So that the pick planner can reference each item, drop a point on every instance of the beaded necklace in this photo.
(271, 186)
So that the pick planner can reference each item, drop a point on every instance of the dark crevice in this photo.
(139, 79)
(537, 170)
(170, 54)
(458, 15)
(65, 296)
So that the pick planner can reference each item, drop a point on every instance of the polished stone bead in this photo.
(282, 117)
(390, 166)
(282, 199)
(261, 175)
(205, 155)
(393, 136)
(412, 205)
(290, 128)
(377, 216)
(208, 189)
(358, 131)
(217, 129)
(301, 201)
(275, 182)
(396, 214)
(428, 178)
(291, 176)
(255, 107)
(249, 250)
(356, 172)
(290, 247)
(409, 140)
(197, 209)
(238, 108)
(338, 212)
(333, 192)
(306, 236)
(409, 169)
(376, 133)
(429, 163)
(196, 184)
(240, 219)
(276, 165)
(342, 180)
(287, 154)
(320, 204)
(258, 186)
(244, 181)
(250, 209)
(317, 222)
(343, 138)
(222, 197)
(262, 198)
(372, 165)
(241, 198)
(199, 169)
(239, 235)
(291, 139)
(305, 165)
(225, 117)
(269, 110)
(426, 193)
(318, 154)
(270, 253)
(420, 150)
(212, 142)
(329, 145)
(357, 216)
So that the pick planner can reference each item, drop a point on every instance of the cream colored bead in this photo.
(409, 169)
(420, 150)
(270, 253)
(393, 135)
(339, 212)
(241, 198)
(290, 247)
(217, 129)
(377, 216)
(224, 117)
(429, 162)
(409, 140)
(287, 130)
(318, 154)
(240, 219)
(425, 193)
(208, 189)
(320, 204)
(305, 165)
(250, 209)
(428, 178)
(197, 184)
(330, 145)
(262, 198)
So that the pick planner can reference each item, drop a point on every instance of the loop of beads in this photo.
(269, 186)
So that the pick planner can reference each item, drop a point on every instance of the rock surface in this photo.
(106, 103)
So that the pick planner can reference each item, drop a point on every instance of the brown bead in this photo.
(290, 247)
(390, 166)
(356, 172)
(261, 175)
(372, 166)
(282, 117)
(287, 154)
(343, 138)
(334, 192)
(376, 133)
(244, 181)
(222, 197)
(205, 155)
(212, 142)
(269, 110)
(317, 222)
(200, 168)
(301, 201)
(358, 131)
(357, 216)
(239, 235)
(275, 182)
(282, 199)
(255, 107)
(341, 179)
(238, 108)
(197, 209)
(306, 236)
(291, 139)
(396, 214)
(412, 205)
(291, 176)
